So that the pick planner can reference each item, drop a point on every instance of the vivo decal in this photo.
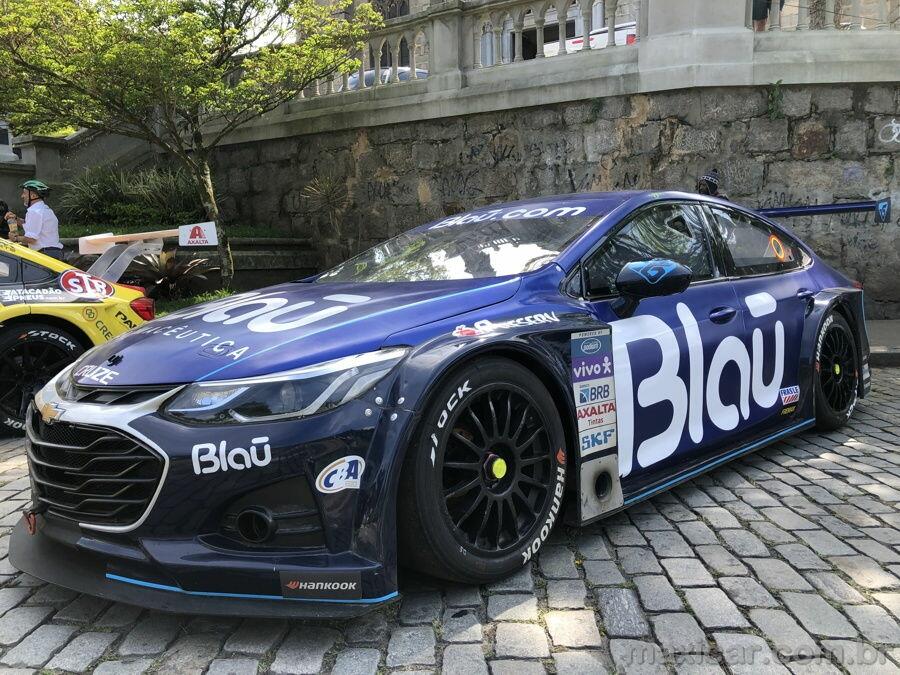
(687, 401)
(270, 312)
(209, 458)
(342, 474)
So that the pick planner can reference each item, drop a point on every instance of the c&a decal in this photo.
(209, 458)
(687, 403)
(486, 326)
(342, 474)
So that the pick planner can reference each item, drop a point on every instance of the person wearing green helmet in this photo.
(40, 227)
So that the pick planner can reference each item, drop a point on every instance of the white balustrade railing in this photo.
(803, 15)
(478, 34)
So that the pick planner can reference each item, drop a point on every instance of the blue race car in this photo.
(440, 401)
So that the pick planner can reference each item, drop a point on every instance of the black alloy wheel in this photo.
(482, 486)
(30, 355)
(837, 373)
(496, 469)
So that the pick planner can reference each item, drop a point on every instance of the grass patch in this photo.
(164, 307)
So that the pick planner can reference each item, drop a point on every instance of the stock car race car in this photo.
(434, 402)
(50, 313)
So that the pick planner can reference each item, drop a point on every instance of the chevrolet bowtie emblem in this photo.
(51, 412)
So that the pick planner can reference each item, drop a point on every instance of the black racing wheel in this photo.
(482, 485)
(837, 373)
(30, 355)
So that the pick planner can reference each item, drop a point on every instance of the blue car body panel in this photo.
(700, 377)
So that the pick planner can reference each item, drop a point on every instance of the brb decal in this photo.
(595, 390)
(342, 474)
(687, 401)
(209, 458)
(83, 285)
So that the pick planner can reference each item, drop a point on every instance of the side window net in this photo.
(671, 231)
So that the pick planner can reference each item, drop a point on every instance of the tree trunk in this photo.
(208, 196)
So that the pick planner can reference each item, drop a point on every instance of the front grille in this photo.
(90, 474)
(116, 395)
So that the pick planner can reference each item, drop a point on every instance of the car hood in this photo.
(279, 328)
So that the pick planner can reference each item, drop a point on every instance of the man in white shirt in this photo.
(41, 226)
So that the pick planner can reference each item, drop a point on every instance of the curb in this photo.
(884, 357)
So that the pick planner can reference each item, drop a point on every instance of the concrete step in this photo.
(884, 342)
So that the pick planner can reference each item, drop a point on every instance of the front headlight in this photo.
(293, 393)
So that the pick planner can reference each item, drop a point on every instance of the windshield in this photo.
(452, 249)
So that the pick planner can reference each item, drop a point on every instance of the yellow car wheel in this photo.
(30, 355)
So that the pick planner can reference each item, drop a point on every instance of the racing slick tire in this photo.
(482, 485)
(30, 355)
(836, 373)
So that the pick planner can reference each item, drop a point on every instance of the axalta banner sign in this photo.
(198, 234)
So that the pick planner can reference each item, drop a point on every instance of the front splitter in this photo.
(48, 560)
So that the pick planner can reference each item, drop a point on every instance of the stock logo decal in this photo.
(342, 474)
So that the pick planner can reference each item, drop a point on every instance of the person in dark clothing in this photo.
(709, 185)
(4, 226)
(761, 14)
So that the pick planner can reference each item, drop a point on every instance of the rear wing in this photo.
(117, 251)
(882, 209)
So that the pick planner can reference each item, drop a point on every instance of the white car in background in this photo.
(626, 34)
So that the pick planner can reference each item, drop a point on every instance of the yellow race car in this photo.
(50, 313)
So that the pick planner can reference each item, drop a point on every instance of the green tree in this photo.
(181, 74)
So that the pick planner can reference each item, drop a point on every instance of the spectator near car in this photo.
(708, 184)
(4, 226)
(761, 14)
(40, 225)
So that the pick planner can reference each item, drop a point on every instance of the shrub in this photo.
(102, 199)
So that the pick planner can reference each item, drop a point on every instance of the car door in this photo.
(661, 352)
(770, 275)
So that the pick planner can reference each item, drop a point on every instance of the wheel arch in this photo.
(56, 322)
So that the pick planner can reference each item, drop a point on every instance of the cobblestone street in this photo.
(785, 561)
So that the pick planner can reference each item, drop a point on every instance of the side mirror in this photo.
(648, 279)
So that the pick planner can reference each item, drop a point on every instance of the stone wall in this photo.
(775, 146)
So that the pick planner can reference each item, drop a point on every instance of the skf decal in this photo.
(208, 458)
(455, 398)
(789, 395)
(83, 285)
(558, 491)
(331, 584)
(342, 474)
(485, 326)
(595, 390)
(97, 374)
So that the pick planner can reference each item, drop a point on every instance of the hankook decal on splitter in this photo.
(210, 458)
(594, 388)
(455, 398)
(558, 491)
(327, 584)
(342, 474)
(486, 326)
